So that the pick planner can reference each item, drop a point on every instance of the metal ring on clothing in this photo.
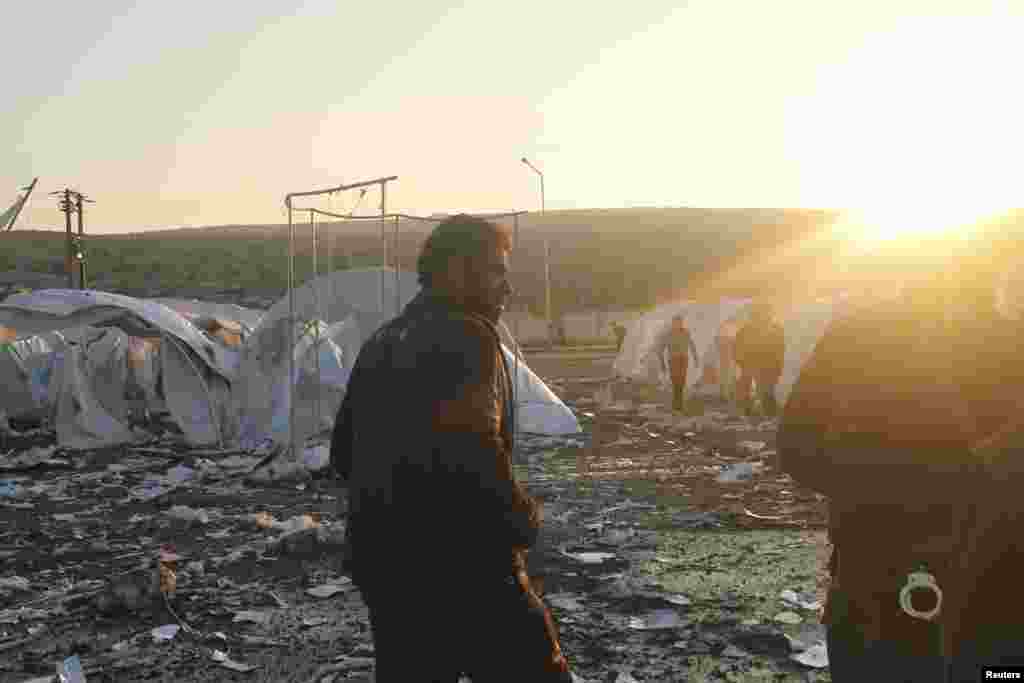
(921, 581)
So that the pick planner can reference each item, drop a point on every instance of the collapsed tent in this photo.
(101, 379)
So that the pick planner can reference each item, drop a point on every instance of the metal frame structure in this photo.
(291, 283)
(394, 262)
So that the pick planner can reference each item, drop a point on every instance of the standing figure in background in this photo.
(620, 335)
(726, 344)
(672, 349)
(760, 349)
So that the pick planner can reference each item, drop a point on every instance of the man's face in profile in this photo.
(488, 287)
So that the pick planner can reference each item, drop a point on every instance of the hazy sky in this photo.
(188, 113)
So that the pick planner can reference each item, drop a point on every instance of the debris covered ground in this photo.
(673, 550)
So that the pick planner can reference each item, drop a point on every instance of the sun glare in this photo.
(910, 223)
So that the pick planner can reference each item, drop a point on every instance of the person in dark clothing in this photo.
(760, 349)
(620, 335)
(882, 420)
(438, 526)
(992, 622)
(676, 343)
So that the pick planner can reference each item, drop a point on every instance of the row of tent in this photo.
(96, 364)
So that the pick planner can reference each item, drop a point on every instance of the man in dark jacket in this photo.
(760, 349)
(879, 422)
(438, 525)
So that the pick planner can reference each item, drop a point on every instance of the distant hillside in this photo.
(609, 258)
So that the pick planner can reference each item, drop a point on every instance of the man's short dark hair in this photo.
(461, 235)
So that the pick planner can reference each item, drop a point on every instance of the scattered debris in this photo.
(591, 557)
(794, 598)
(187, 514)
(228, 663)
(658, 619)
(815, 656)
(327, 590)
(14, 583)
(788, 618)
(257, 617)
(738, 472)
(165, 633)
(70, 670)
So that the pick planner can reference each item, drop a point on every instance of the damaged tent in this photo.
(98, 364)
(97, 381)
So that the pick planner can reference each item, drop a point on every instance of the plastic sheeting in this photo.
(322, 369)
(538, 409)
(191, 308)
(26, 368)
(81, 421)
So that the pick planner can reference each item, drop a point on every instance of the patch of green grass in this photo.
(748, 568)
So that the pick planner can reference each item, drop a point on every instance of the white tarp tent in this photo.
(354, 304)
(638, 360)
(803, 325)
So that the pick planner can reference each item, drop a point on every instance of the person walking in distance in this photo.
(438, 526)
(760, 349)
(620, 335)
(672, 349)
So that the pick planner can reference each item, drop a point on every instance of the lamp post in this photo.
(547, 256)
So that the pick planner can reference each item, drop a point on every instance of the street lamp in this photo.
(547, 254)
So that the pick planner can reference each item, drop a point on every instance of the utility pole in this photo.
(80, 251)
(68, 207)
(72, 202)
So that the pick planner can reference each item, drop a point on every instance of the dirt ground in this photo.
(656, 568)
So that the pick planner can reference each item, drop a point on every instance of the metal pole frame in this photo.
(547, 256)
(292, 436)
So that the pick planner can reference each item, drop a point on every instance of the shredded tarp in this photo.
(81, 421)
(26, 366)
(190, 308)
